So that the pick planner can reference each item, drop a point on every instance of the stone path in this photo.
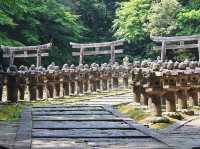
(8, 133)
(109, 100)
(83, 127)
(185, 135)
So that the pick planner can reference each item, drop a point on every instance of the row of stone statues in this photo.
(157, 84)
(54, 82)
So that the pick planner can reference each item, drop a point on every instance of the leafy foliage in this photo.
(32, 22)
(35, 22)
(132, 19)
(188, 19)
(162, 20)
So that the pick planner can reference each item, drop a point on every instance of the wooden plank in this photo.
(172, 47)
(117, 51)
(27, 48)
(26, 56)
(97, 45)
(175, 38)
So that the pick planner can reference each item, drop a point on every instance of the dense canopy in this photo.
(35, 22)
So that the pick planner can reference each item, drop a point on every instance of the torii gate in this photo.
(26, 52)
(195, 39)
(97, 46)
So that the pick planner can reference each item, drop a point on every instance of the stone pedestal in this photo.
(86, 86)
(66, 88)
(144, 98)
(40, 91)
(98, 84)
(57, 89)
(1, 91)
(104, 84)
(150, 103)
(170, 102)
(182, 99)
(115, 82)
(12, 88)
(72, 88)
(50, 90)
(32, 92)
(156, 106)
(61, 94)
(80, 87)
(136, 94)
(21, 89)
(193, 98)
(125, 82)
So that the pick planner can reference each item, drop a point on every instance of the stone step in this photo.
(78, 124)
(40, 113)
(78, 116)
(87, 133)
(103, 143)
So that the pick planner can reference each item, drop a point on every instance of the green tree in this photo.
(188, 19)
(162, 20)
(131, 20)
(36, 22)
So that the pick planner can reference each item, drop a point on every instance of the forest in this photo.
(33, 22)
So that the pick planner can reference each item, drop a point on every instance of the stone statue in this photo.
(126, 61)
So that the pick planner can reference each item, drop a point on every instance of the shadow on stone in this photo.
(2, 147)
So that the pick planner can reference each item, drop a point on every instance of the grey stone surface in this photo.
(71, 113)
(78, 124)
(186, 135)
(23, 136)
(60, 117)
(55, 143)
(86, 128)
(8, 133)
(88, 133)
(82, 126)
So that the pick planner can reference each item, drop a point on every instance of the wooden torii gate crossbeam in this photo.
(97, 51)
(26, 52)
(195, 39)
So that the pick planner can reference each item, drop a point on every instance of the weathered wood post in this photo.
(81, 56)
(199, 48)
(112, 58)
(163, 51)
(97, 51)
(1, 82)
(12, 57)
(39, 58)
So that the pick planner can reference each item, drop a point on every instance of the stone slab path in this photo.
(8, 133)
(109, 100)
(185, 135)
(82, 127)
